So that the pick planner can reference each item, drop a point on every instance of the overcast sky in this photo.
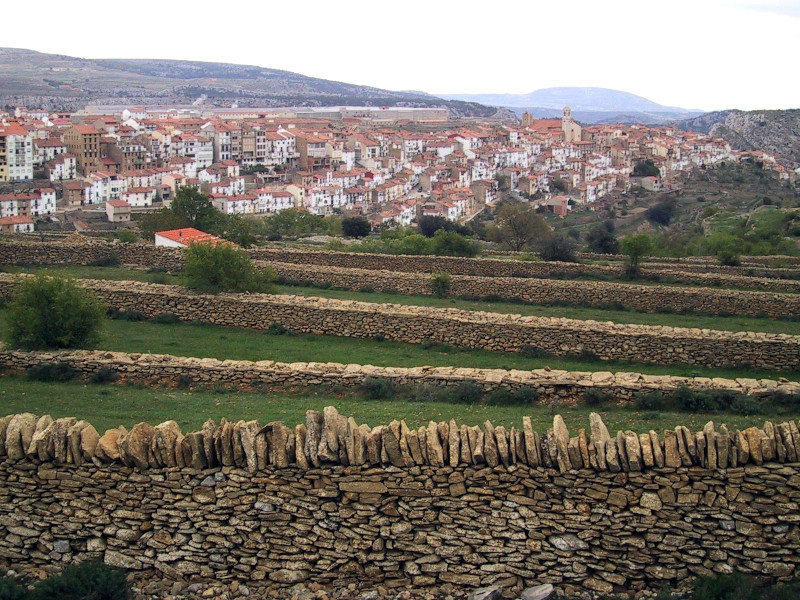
(708, 54)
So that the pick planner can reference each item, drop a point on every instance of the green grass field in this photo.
(211, 341)
(108, 405)
(733, 323)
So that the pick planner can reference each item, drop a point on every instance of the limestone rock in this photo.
(314, 421)
(658, 453)
(486, 593)
(490, 452)
(531, 450)
(503, 449)
(711, 445)
(139, 440)
(247, 438)
(88, 442)
(633, 451)
(391, 445)
(164, 437)
(466, 451)
(108, 445)
(59, 441)
(598, 428)
(672, 457)
(209, 430)
(40, 442)
(454, 443)
(539, 592)
(434, 446)
(300, 446)
(19, 433)
(561, 438)
(648, 460)
(75, 456)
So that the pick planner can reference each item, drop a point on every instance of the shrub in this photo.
(160, 278)
(104, 375)
(276, 329)
(126, 315)
(52, 372)
(729, 259)
(11, 589)
(523, 396)
(440, 284)
(53, 312)
(184, 381)
(378, 388)
(466, 392)
(602, 241)
(725, 587)
(110, 259)
(661, 213)
(355, 227)
(90, 580)
(450, 243)
(650, 401)
(635, 247)
(165, 319)
(557, 248)
(528, 351)
(223, 268)
(127, 236)
(597, 397)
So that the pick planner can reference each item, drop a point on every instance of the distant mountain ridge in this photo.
(588, 104)
(57, 81)
(774, 131)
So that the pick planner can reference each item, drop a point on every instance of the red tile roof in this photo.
(188, 235)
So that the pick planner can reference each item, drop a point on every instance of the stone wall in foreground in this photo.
(551, 385)
(470, 329)
(643, 298)
(334, 502)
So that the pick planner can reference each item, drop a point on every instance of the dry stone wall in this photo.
(643, 298)
(551, 385)
(334, 501)
(42, 253)
(470, 329)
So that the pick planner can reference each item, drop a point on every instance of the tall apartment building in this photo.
(83, 142)
(16, 153)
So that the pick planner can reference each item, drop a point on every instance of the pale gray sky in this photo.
(708, 54)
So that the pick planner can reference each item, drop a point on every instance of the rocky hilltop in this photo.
(773, 131)
(58, 82)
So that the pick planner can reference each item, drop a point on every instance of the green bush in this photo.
(127, 236)
(378, 388)
(597, 397)
(11, 589)
(110, 259)
(51, 312)
(276, 329)
(725, 587)
(52, 372)
(650, 401)
(466, 392)
(223, 268)
(126, 315)
(90, 580)
(529, 351)
(440, 284)
(160, 278)
(104, 375)
(355, 227)
(522, 396)
(166, 319)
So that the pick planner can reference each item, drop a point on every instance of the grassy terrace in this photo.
(107, 406)
(211, 341)
(733, 323)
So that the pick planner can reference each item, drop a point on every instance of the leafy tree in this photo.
(646, 168)
(517, 226)
(126, 235)
(602, 241)
(428, 225)
(558, 184)
(236, 229)
(661, 213)
(51, 312)
(450, 243)
(635, 246)
(223, 267)
(196, 210)
(356, 227)
(557, 248)
(440, 283)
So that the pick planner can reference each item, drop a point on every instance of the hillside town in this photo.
(391, 165)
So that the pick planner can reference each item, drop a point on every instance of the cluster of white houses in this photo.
(254, 163)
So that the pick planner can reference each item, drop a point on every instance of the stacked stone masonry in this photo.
(550, 384)
(471, 329)
(643, 298)
(332, 500)
(43, 253)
